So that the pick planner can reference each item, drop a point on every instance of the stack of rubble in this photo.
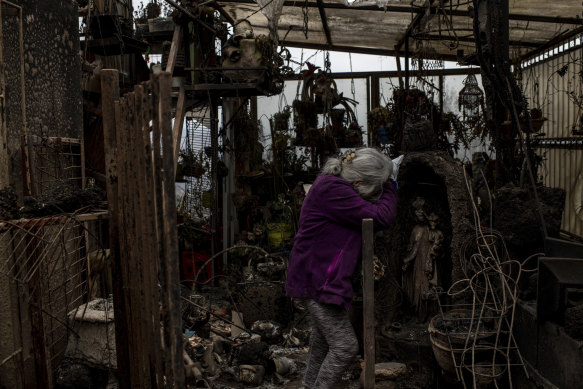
(234, 334)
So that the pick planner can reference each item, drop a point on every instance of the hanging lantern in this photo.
(471, 100)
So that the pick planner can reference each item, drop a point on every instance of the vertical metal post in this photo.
(229, 215)
(368, 303)
(375, 98)
(214, 177)
(441, 85)
(368, 108)
(407, 63)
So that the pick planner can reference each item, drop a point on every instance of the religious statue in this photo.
(420, 274)
(435, 238)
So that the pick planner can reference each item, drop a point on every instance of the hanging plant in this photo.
(305, 121)
(248, 149)
(192, 164)
(153, 9)
(379, 123)
(281, 121)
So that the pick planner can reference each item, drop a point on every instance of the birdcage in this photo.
(471, 99)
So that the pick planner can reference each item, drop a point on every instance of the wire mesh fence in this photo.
(55, 159)
(196, 163)
(47, 260)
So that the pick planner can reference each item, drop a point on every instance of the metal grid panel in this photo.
(55, 159)
(47, 259)
(198, 140)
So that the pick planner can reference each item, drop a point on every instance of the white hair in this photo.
(369, 165)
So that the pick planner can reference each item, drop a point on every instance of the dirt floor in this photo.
(291, 380)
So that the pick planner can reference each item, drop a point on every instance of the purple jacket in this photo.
(328, 245)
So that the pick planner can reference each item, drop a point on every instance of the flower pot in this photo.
(449, 346)
(536, 125)
(141, 28)
(161, 24)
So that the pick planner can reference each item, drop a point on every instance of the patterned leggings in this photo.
(333, 345)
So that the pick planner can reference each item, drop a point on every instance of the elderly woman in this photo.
(327, 249)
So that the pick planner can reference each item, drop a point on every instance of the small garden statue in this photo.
(419, 272)
(435, 238)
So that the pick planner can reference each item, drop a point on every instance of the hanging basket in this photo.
(161, 24)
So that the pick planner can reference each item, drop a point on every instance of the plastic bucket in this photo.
(277, 233)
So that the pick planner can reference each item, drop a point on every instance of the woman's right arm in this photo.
(342, 204)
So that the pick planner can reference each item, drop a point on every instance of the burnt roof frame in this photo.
(531, 47)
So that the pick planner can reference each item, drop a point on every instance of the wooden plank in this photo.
(223, 13)
(170, 231)
(176, 43)
(157, 162)
(150, 240)
(140, 373)
(194, 17)
(178, 124)
(126, 246)
(138, 358)
(368, 303)
(110, 96)
(141, 262)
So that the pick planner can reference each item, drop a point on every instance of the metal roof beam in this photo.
(433, 37)
(414, 23)
(395, 73)
(324, 21)
(353, 49)
(563, 37)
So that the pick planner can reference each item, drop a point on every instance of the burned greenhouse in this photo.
(277, 194)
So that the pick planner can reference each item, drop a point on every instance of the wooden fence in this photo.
(139, 155)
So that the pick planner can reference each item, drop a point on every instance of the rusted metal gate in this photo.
(44, 260)
(139, 154)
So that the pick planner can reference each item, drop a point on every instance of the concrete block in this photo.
(94, 342)
(389, 370)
